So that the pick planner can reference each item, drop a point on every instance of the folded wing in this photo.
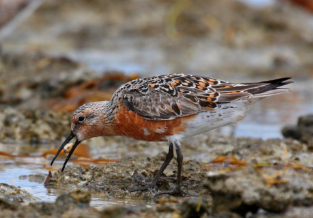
(167, 97)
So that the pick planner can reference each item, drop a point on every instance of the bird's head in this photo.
(88, 121)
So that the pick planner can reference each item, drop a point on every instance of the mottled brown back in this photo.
(166, 97)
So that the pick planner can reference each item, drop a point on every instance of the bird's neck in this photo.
(101, 122)
(107, 117)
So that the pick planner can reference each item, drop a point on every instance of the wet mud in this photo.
(76, 204)
(267, 176)
(115, 179)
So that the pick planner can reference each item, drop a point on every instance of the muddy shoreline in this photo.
(238, 176)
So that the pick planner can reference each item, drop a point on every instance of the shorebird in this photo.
(168, 108)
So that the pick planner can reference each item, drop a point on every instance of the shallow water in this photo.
(13, 172)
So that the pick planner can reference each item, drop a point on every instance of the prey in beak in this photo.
(67, 140)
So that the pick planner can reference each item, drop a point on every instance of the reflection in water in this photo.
(13, 174)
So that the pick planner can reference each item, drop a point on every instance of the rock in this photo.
(246, 191)
(193, 208)
(292, 212)
(65, 203)
(114, 179)
(7, 205)
(226, 215)
(12, 193)
(166, 203)
(113, 212)
(76, 198)
(32, 125)
(73, 204)
(302, 132)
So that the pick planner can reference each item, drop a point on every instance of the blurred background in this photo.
(48, 47)
(56, 55)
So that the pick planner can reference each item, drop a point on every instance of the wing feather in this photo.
(170, 96)
(167, 97)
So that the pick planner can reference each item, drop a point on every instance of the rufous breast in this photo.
(128, 123)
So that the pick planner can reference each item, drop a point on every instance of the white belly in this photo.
(222, 116)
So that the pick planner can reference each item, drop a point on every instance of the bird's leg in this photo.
(168, 159)
(177, 190)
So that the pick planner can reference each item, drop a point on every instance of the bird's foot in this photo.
(177, 191)
(147, 186)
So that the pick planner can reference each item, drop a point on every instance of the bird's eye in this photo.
(81, 119)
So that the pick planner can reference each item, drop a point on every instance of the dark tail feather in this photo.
(271, 87)
(280, 80)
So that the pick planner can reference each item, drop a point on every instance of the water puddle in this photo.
(17, 175)
(12, 173)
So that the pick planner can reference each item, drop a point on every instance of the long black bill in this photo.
(70, 154)
(67, 140)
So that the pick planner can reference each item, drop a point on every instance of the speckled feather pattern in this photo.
(167, 97)
(171, 107)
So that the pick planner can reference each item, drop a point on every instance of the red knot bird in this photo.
(168, 108)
